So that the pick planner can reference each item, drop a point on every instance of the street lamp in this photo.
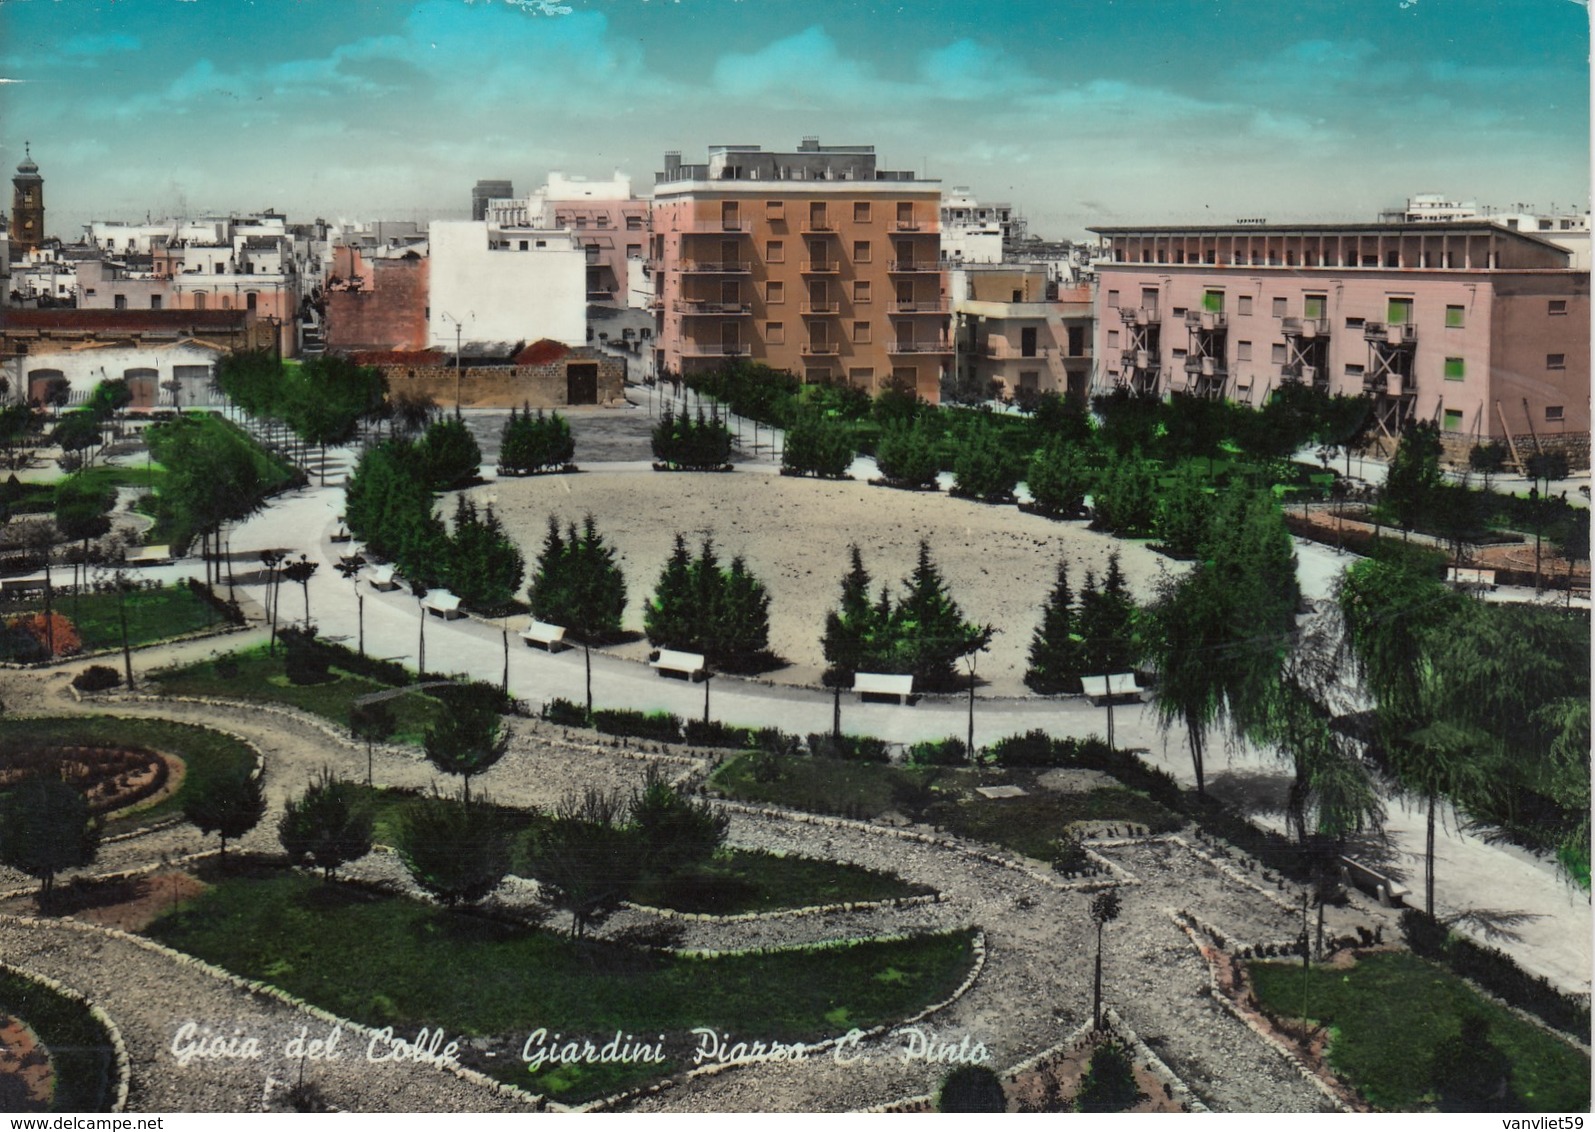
(458, 327)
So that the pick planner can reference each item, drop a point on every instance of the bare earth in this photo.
(999, 563)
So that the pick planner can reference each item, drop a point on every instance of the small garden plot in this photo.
(943, 796)
(386, 960)
(186, 756)
(258, 676)
(152, 615)
(1393, 1021)
(71, 1065)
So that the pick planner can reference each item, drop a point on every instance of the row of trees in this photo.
(1095, 637)
(322, 400)
(531, 444)
(700, 606)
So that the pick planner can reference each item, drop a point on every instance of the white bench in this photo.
(1389, 892)
(1115, 686)
(33, 583)
(688, 665)
(441, 603)
(1462, 576)
(381, 578)
(883, 684)
(150, 556)
(550, 637)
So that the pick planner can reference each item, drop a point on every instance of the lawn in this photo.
(80, 1049)
(205, 753)
(152, 615)
(1387, 1014)
(258, 676)
(942, 796)
(38, 496)
(387, 960)
(736, 881)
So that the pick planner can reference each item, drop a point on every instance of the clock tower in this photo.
(27, 206)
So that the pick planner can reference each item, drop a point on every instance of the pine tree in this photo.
(228, 804)
(667, 617)
(932, 629)
(1056, 656)
(1107, 623)
(742, 624)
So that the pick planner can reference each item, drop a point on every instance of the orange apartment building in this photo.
(1481, 329)
(814, 261)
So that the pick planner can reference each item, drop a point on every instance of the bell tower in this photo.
(27, 205)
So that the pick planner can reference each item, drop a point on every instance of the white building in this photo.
(168, 373)
(505, 285)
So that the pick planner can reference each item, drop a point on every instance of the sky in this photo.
(1079, 112)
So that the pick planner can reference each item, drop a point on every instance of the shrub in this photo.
(1069, 855)
(986, 467)
(971, 1088)
(565, 713)
(717, 734)
(458, 851)
(853, 748)
(659, 725)
(307, 661)
(1058, 478)
(96, 678)
(1109, 1083)
(535, 444)
(325, 827)
(1033, 748)
(449, 454)
(906, 456)
(817, 446)
(939, 752)
(54, 634)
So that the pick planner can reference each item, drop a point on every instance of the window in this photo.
(1557, 306)
(1453, 369)
(861, 251)
(634, 224)
(1555, 361)
(1243, 304)
(120, 302)
(774, 333)
(1453, 420)
(774, 210)
(1398, 312)
(525, 245)
(817, 375)
(1355, 323)
(1213, 301)
(155, 302)
(1178, 352)
(1312, 306)
(603, 220)
(1113, 298)
(861, 332)
(1453, 316)
(1243, 351)
(861, 375)
(542, 243)
(1278, 307)
(773, 252)
(1353, 369)
(633, 251)
(1553, 412)
(1277, 354)
(861, 293)
(1113, 339)
(775, 291)
(199, 300)
(861, 212)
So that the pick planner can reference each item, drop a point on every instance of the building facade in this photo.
(1483, 330)
(1019, 334)
(813, 261)
(504, 285)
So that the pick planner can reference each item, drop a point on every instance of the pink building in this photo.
(1483, 330)
(1020, 334)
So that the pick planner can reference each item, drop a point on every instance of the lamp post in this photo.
(458, 333)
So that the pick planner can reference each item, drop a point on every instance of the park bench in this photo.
(1463, 576)
(1116, 686)
(442, 603)
(1390, 893)
(550, 637)
(679, 665)
(33, 583)
(883, 687)
(150, 556)
(381, 578)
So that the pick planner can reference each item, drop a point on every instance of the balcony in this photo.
(818, 227)
(904, 266)
(1137, 359)
(717, 228)
(1139, 316)
(1390, 384)
(822, 267)
(1300, 371)
(1206, 367)
(692, 306)
(907, 226)
(713, 349)
(917, 306)
(1206, 320)
(822, 308)
(1004, 351)
(913, 347)
(1391, 333)
(603, 296)
(713, 267)
(1305, 327)
(822, 349)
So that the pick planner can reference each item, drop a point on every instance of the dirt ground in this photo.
(999, 564)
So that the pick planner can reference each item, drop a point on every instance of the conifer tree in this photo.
(932, 628)
(849, 630)
(1055, 655)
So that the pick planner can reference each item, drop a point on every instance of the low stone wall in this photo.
(1455, 446)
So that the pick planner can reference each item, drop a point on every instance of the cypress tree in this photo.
(1056, 656)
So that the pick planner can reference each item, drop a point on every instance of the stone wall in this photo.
(1455, 447)
(502, 387)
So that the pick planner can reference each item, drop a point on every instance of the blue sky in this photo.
(1078, 111)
